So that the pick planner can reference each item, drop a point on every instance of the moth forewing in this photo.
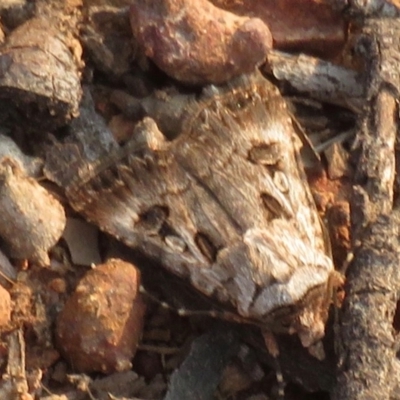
(238, 220)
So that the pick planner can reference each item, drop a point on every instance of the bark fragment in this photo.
(39, 75)
(107, 36)
(14, 385)
(320, 79)
(368, 355)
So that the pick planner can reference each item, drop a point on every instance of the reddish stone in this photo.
(101, 323)
(198, 43)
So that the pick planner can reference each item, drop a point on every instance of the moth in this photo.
(225, 206)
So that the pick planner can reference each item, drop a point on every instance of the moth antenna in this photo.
(183, 312)
(273, 349)
(347, 261)
(279, 380)
(339, 346)
(163, 304)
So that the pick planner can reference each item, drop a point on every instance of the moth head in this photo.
(309, 323)
(306, 318)
(294, 280)
(299, 303)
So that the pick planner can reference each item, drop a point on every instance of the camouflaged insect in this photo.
(225, 206)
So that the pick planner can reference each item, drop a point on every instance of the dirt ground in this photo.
(83, 316)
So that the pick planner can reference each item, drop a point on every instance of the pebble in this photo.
(100, 326)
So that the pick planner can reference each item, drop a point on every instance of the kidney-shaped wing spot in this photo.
(266, 154)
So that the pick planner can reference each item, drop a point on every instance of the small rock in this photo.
(121, 128)
(32, 219)
(82, 240)
(101, 323)
(198, 43)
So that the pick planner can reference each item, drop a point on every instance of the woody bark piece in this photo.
(32, 220)
(39, 74)
(321, 80)
(198, 43)
(8, 148)
(369, 8)
(166, 108)
(88, 139)
(14, 385)
(367, 334)
(376, 165)
(375, 173)
(213, 349)
(107, 38)
(368, 367)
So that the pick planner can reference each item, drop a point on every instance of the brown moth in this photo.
(225, 205)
